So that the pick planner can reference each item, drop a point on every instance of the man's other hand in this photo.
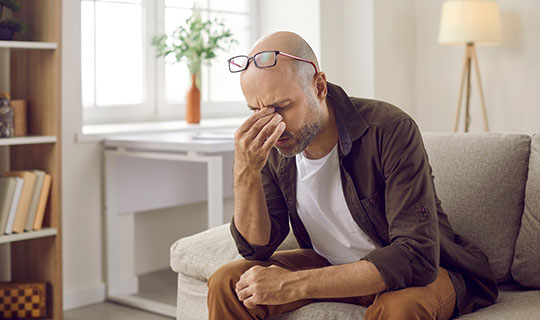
(267, 286)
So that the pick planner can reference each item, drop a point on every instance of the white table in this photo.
(169, 146)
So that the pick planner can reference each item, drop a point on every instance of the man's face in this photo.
(281, 89)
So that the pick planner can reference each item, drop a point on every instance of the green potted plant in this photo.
(196, 42)
(8, 26)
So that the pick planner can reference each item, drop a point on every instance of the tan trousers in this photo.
(434, 301)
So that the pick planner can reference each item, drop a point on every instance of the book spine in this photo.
(14, 206)
(43, 197)
(35, 199)
(7, 200)
(24, 203)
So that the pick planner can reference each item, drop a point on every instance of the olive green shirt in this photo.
(388, 186)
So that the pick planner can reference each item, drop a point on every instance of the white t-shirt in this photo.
(322, 208)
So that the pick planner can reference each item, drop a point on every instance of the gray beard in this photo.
(307, 134)
(311, 128)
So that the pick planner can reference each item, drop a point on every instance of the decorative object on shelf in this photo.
(9, 26)
(20, 118)
(22, 300)
(197, 41)
(6, 116)
(470, 22)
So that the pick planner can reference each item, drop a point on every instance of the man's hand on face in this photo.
(266, 285)
(255, 138)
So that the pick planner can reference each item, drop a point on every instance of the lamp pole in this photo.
(469, 59)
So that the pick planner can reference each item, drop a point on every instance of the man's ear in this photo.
(320, 84)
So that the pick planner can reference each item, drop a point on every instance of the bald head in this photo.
(291, 43)
(291, 88)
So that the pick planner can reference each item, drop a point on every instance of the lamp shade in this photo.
(469, 21)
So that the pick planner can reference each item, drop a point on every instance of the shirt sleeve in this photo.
(279, 221)
(412, 257)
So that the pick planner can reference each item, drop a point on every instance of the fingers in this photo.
(244, 293)
(244, 127)
(267, 130)
(274, 137)
(243, 281)
(250, 303)
(260, 125)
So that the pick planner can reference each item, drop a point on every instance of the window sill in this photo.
(98, 132)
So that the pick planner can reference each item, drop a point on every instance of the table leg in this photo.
(215, 191)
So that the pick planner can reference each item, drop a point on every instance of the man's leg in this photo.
(434, 301)
(224, 304)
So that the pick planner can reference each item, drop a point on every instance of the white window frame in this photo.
(154, 106)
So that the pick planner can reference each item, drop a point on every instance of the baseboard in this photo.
(125, 286)
(81, 298)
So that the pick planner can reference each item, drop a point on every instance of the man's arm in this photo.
(276, 285)
(354, 279)
(256, 193)
(412, 258)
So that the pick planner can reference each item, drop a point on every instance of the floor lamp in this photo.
(470, 22)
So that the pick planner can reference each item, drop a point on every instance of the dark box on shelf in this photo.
(22, 300)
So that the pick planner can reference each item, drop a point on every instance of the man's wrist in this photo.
(302, 281)
(246, 173)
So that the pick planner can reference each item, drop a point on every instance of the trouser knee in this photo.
(226, 277)
(402, 308)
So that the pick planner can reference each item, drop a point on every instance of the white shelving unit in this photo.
(46, 232)
(27, 140)
(28, 45)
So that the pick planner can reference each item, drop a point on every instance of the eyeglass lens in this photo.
(265, 59)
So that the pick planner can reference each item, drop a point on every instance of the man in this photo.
(353, 178)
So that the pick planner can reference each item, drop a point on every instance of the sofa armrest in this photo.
(199, 255)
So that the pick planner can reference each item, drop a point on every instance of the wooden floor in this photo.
(159, 286)
(110, 311)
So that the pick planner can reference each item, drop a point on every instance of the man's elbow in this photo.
(427, 273)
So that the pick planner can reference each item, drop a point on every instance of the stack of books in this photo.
(23, 199)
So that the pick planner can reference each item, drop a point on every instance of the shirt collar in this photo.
(351, 124)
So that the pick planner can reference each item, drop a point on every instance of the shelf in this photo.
(46, 232)
(27, 140)
(28, 45)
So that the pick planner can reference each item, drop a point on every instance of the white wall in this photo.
(299, 16)
(81, 178)
(347, 31)
(395, 53)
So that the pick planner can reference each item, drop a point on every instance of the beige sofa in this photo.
(489, 185)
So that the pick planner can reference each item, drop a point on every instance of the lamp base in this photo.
(470, 57)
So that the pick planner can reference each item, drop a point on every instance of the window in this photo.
(122, 80)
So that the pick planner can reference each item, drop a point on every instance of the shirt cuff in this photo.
(393, 265)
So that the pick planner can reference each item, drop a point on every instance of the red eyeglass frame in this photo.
(275, 60)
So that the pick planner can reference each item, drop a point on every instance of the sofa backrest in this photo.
(480, 179)
(526, 265)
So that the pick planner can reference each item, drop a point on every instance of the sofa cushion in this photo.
(199, 255)
(526, 265)
(480, 180)
(523, 305)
